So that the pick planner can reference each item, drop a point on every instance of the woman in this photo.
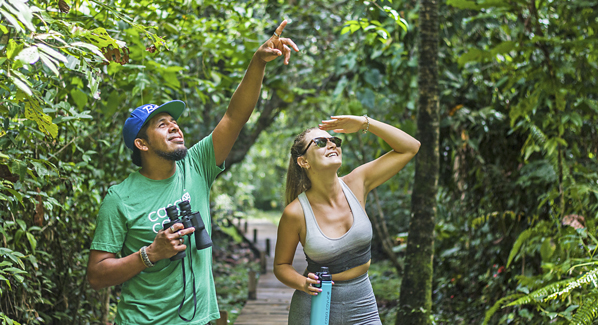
(326, 213)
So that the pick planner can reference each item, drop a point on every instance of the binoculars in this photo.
(320, 304)
(188, 219)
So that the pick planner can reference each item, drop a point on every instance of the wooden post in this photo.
(252, 288)
(268, 247)
(245, 227)
(223, 318)
(255, 235)
(263, 262)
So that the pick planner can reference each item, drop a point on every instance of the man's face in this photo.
(165, 138)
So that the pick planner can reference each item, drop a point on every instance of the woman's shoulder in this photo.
(293, 212)
(355, 184)
(352, 181)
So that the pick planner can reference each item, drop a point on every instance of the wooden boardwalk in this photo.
(273, 298)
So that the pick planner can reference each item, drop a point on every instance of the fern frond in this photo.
(537, 134)
(587, 313)
(538, 295)
(560, 288)
(490, 312)
(476, 222)
(523, 237)
(539, 137)
(591, 276)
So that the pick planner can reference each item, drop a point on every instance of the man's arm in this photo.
(104, 269)
(245, 97)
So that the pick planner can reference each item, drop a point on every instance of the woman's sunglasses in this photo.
(321, 142)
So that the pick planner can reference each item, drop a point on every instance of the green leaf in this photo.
(94, 49)
(14, 270)
(79, 97)
(14, 193)
(48, 62)
(21, 85)
(523, 237)
(403, 24)
(340, 86)
(173, 81)
(23, 12)
(11, 48)
(496, 306)
(101, 38)
(51, 52)
(44, 122)
(13, 21)
(22, 224)
(471, 55)
(587, 312)
(32, 241)
(503, 47)
(547, 249)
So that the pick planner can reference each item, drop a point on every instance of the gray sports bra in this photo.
(338, 254)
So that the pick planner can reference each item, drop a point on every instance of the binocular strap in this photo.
(185, 293)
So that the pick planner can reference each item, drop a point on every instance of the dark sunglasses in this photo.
(321, 142)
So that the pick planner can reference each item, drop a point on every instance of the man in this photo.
(155, 289)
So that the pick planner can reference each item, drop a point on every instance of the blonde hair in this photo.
(297, 180)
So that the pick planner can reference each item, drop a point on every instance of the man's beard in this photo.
(176, 155)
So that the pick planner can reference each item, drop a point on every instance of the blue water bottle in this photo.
(320, 304)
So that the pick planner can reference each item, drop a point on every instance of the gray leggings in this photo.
(353, 302)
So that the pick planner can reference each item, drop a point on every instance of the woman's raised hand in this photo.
(344, 123)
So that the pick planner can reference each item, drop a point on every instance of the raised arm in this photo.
(245, 97)
(374, 173)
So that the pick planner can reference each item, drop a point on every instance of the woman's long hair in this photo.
(297, 181)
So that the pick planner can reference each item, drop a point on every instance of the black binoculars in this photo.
(188, 219)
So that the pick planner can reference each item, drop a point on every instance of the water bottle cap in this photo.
(324, 274)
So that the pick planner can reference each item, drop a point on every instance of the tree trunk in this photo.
(105, 305)
(382, 232)
(415, 301)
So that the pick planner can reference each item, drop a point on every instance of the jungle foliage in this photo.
(518, 191)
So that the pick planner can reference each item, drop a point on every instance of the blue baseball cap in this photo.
(144, 113)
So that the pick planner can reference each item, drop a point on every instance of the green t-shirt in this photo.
(131, 215)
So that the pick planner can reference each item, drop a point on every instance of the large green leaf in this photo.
(34, 113)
